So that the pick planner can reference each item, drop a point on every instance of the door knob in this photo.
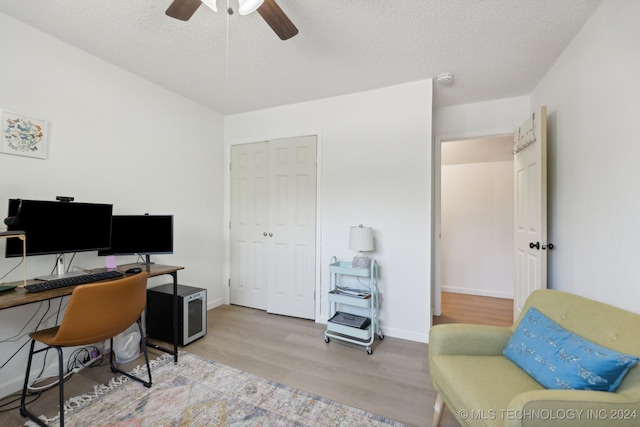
(534, 245)
(547, 246)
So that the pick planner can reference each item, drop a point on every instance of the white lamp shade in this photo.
(211, 4)
(361, 238)
(245, 7)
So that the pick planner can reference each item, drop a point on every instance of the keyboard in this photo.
(73, 280)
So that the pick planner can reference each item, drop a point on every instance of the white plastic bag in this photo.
(126, 345)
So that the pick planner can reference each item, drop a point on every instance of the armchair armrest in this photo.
(571, 408)
(463, 339)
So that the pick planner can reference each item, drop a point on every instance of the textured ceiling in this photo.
(495, 48)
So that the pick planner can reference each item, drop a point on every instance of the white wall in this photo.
(114, 138)
(374, 169)
(497, 117)
(592, 94)
(477, 228)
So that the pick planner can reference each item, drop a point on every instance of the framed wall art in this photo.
(23, 136)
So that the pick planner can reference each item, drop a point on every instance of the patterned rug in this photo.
(201, 392)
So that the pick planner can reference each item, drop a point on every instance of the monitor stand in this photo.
(147, 260)
(61, 274)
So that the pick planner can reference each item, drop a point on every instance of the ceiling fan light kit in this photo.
(268, 9)
(245, 7)
(211, 4)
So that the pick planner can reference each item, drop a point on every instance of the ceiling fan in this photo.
(268, 9)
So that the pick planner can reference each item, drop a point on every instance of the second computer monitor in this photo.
(140, 235)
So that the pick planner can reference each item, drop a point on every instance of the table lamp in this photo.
(361, 240)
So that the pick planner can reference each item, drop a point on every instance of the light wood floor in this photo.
(463, 308)
(392, 382)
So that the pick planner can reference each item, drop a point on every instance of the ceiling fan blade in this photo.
(183, 9)
(277, 20)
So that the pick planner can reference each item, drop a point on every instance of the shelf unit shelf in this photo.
(354, 335)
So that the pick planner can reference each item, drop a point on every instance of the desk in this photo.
(20, 296)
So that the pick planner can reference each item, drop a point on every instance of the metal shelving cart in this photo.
(367, 299)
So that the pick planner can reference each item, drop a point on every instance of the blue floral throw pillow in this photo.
(559, 359)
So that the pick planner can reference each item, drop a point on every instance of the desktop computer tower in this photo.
(192, 313)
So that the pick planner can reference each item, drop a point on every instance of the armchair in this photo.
(482, 387)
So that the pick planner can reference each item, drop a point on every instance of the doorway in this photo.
(474, 218)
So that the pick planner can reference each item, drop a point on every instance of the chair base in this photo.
(146, 359)
(23, 408)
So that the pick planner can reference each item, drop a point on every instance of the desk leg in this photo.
(176, 321)
(175, 316)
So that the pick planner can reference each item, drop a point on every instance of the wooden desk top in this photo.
(20, 296)
(151, 269)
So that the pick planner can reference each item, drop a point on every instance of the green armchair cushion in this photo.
(559, 359)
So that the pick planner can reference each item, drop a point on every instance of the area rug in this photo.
(201, 392)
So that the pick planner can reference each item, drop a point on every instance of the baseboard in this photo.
(406, 335)
(479, 292)
(215, 303)
(13, 385)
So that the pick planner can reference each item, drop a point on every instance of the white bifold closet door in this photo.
(273, 226)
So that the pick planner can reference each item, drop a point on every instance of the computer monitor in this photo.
(58, 228)
(141, 235)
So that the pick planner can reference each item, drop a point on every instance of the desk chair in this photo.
(95, 312)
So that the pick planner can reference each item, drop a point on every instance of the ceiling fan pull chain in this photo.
(229, 13)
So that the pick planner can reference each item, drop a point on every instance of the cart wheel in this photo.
(381, 336)
(369, 350)
(326, 339)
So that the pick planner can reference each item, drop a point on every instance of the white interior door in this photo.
(292, 227)
(249, 177)
(530, 208)
(273, 207)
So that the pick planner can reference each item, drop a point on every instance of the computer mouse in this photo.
(133, 270)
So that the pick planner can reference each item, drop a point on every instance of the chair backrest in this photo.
(596, 321)
(102, 310)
